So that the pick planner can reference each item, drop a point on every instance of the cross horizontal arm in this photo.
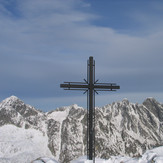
(106, 87)
(75, 82)
(75, 89)
(77, 86)
(86, 86)
(105, 83)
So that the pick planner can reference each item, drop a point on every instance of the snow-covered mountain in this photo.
(122, 128)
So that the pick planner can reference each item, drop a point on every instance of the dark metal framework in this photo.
(90, 86)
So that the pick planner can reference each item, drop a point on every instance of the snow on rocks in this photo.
(18, 145)
(155, 155)
(151, 156)
(83, 159)
(114, 159)
(9, 101)
(45, 160)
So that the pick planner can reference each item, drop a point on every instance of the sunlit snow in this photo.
(151, 156)
(18, 145)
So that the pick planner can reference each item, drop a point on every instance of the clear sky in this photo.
(46, 42)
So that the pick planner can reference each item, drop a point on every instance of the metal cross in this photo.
(91, 87)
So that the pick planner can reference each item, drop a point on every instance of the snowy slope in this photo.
(18, 145)
(151, 156)
(45, 160)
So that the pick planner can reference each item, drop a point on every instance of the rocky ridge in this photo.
(122, 128)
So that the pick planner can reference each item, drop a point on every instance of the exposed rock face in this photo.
(14, 111)
(130, 129)
(66, 132)
(121, 127)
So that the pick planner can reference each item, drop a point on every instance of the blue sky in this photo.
(46, 42)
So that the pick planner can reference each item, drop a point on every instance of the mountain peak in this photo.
(17, 104)
(10, 101)
(125, 101)
(13, 98)
(149, 100)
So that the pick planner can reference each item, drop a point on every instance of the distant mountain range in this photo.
(122, 128)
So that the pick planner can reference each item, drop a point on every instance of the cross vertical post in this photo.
(91, 87)
(91, 111)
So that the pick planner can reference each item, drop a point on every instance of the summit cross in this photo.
(90, 86)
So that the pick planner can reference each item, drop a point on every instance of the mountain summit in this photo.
(122, 128)
(17, 104)
(9, 101)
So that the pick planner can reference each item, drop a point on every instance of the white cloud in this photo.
(52, 39)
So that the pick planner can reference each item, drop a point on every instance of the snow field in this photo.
(151, 156)
(22, 144)
(19, 145)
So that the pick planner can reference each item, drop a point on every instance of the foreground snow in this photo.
(151, 156)
(18, 145)
(44, 160)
